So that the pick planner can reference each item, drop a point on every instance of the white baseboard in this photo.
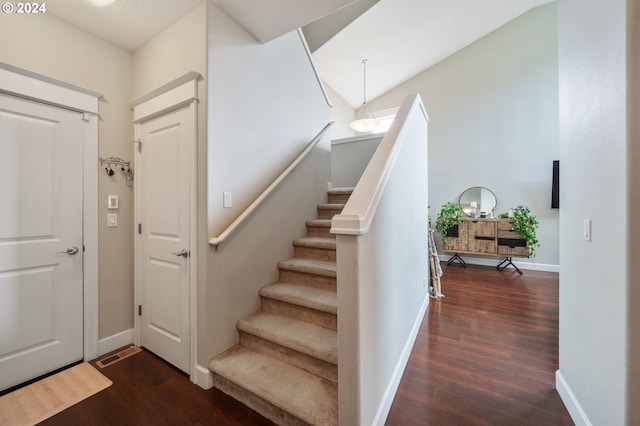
(570, 401)
(494, 261)
(204, 377)
(114, 342)
(392, 386)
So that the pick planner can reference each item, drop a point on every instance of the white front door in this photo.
(41, 241)
(164, 240)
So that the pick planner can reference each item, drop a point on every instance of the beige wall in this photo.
(264, 106)
(180, 48)
(633, 207)
(493, 109)
(49, 46)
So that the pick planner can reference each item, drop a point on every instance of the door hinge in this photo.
(85, 116)
(139, 142)
(139, 228)
(139, 310)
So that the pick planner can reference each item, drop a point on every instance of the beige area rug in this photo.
(40, 400)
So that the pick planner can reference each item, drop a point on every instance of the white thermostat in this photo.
(112, 202)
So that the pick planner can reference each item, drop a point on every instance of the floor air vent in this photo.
(125, 353)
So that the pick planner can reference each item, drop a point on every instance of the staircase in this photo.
(286, 365)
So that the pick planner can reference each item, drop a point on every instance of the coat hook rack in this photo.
(125, 167)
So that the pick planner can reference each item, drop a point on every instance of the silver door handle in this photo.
(183, 253)
(70, 251)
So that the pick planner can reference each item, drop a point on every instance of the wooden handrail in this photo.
(217, 241)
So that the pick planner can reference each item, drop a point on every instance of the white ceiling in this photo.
(400, 38)
(268, 19)
(126, 23)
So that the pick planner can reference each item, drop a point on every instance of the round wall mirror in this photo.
(478, 202)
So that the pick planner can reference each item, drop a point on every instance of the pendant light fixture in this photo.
(364, 122)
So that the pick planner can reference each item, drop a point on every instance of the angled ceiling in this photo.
(126, 23)
(401, 38)
(268, 19)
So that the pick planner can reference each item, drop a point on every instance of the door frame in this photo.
(42, 89)
(179, 93)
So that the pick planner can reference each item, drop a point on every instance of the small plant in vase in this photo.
(450, 215)
(525, 223)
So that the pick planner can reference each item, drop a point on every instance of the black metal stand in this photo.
(456, 257)
(506, 262)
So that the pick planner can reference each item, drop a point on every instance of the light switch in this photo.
(587, 230)
(112, 219)
(227, 200)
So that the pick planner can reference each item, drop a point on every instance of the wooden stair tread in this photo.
(308, 297)
(302, 394)
(313, 340)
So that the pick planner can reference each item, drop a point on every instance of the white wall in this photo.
(47, 45)
(382, 272)
(341, 113)
(493, 108)
(594, 185)
(264, 106)
(349, 158)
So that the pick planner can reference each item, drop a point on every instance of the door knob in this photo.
(70, 251)
(183, 253)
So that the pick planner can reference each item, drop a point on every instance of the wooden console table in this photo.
(493, 237)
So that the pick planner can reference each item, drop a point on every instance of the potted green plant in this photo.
(449, 216)
(525, 223)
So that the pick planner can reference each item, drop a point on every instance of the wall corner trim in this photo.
(40, 88)
(570, 401)
(203, 377)
(116, 341)
(176, 93)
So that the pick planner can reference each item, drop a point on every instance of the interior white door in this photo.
(41, 284)
(164, 212)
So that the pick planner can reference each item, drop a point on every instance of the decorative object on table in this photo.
(477, 201)
(449, 216)
(435, 289)
(526, 224)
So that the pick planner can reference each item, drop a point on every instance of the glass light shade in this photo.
(364, 122)
(364, 125)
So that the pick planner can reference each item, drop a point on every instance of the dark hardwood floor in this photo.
(148, 391)
(486, 354)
